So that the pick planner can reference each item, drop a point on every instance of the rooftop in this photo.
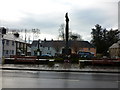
(12, 37)
(62, 43)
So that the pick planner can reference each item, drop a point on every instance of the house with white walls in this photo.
(14, 45)
(54, 47)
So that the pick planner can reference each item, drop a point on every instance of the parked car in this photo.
(46, 55)
(86, 54)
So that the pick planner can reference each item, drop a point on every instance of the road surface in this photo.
(42, 79)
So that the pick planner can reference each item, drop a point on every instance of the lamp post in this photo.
(38, 50)
(3, 46)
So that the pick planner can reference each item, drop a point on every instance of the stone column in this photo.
(67, 29)
(66, 50)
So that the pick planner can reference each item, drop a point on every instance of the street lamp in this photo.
(38, 50)
(3, 41)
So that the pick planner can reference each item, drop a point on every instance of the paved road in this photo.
(42, 79)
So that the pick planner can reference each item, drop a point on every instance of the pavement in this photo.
(61, 68)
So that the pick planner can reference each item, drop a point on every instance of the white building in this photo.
(45, 48)
(55, 47)
(9, 47)
(13, 45)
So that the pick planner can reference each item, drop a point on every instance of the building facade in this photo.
(114, 50)
(55, 47)
(13, 45)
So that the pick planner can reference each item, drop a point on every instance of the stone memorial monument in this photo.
(66, 50)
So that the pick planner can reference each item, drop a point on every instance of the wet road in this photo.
(42, 79)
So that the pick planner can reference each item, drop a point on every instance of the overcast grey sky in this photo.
(47, 15)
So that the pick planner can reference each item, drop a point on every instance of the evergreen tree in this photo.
(97, 37)
(103, 39)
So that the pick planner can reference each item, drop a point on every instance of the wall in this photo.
(9, 47)
(44, 50)
(114, 52)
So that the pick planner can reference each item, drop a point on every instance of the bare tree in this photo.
(61, 31)
(36, 33)
(72, 36)
(75, 36)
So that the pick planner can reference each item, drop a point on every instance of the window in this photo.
(7, 42)
(13, 43)
(6, 51)
(12, 51)
(35, 53)
(48, 48)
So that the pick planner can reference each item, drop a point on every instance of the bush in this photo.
(60, 60)
(74, 60)
(99, 56)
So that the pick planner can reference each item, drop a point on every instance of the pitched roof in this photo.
(10, 36)
(116, 45)
(34, 43)
(85, 44)
(82, 44)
